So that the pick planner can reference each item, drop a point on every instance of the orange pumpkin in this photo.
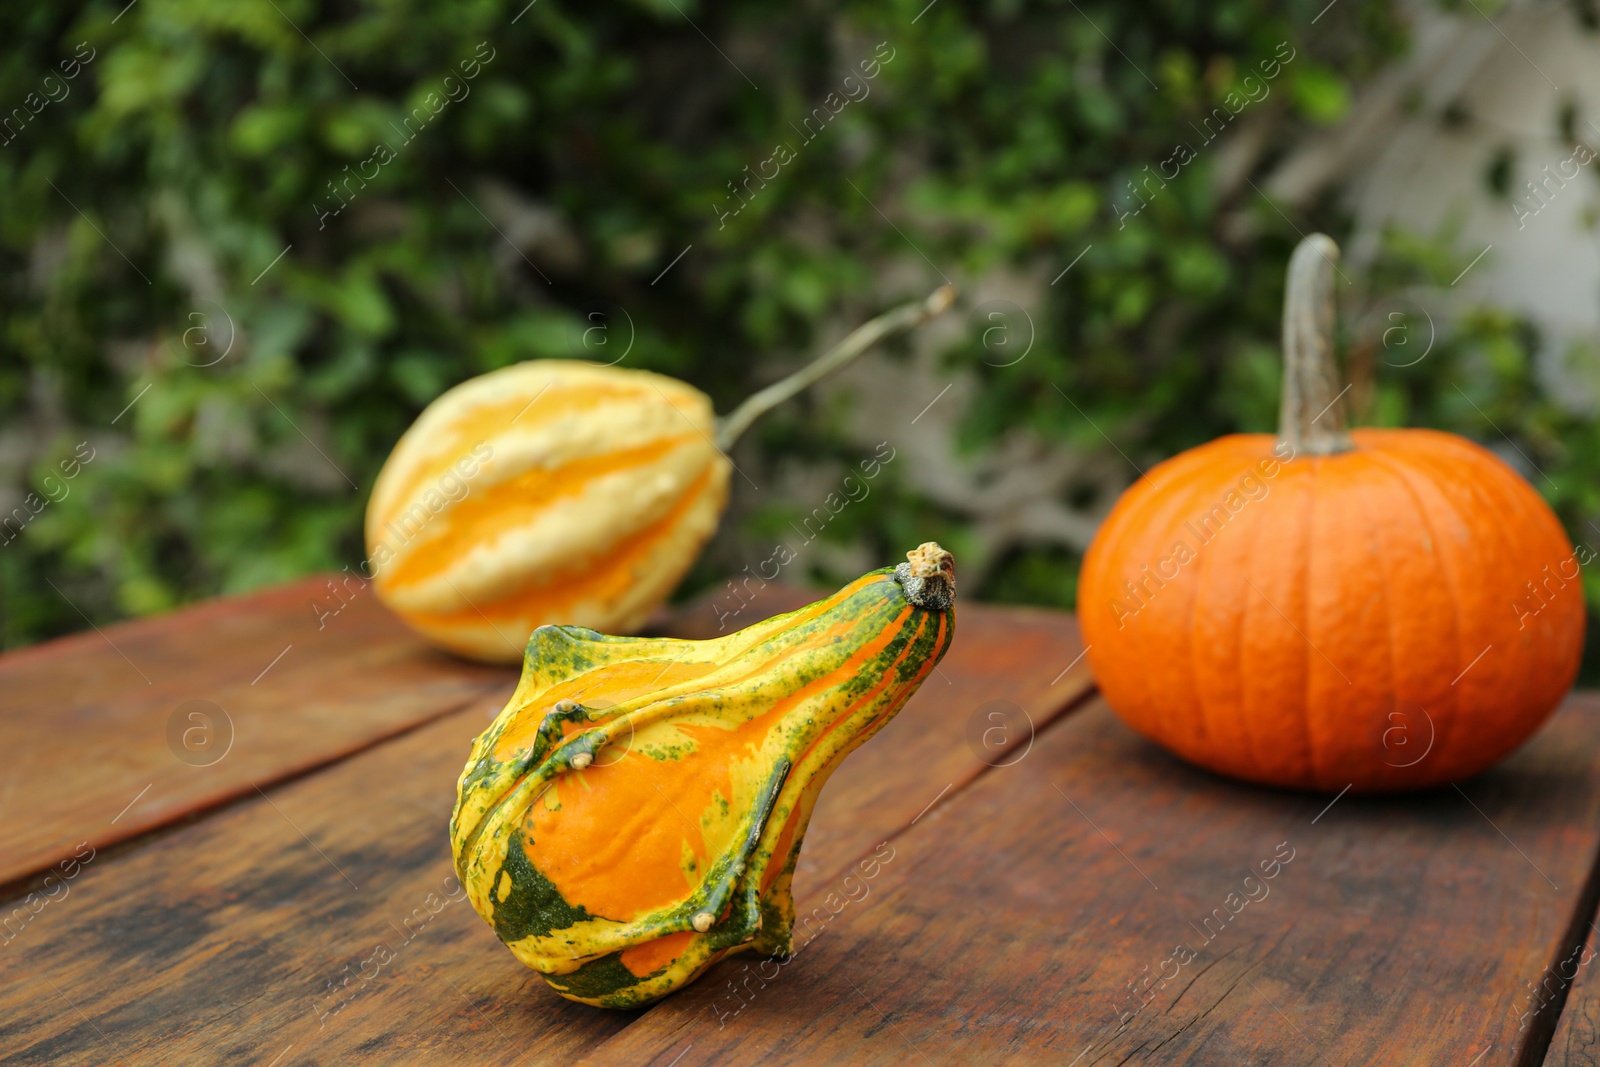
(1380, 609)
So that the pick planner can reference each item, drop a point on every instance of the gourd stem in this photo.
(928, 577)
(733, 425)
(1312, 419)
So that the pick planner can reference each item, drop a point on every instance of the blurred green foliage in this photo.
(239, 404)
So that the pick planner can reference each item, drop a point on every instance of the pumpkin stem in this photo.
(928, 577)
(1312, 419)
(733, 425)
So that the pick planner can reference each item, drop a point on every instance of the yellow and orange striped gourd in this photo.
(557, 491)
(548, 491)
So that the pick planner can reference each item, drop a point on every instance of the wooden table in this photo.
(224, 842)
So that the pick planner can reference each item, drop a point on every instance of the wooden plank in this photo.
(230, 939)
(1563, 1000)
(1016, 924)
(109, 734)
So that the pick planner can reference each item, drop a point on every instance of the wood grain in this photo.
(99, 741)
(231, 939)
(1009, 925)
(1563, 1001)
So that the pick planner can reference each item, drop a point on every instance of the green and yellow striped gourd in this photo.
(635, 812)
